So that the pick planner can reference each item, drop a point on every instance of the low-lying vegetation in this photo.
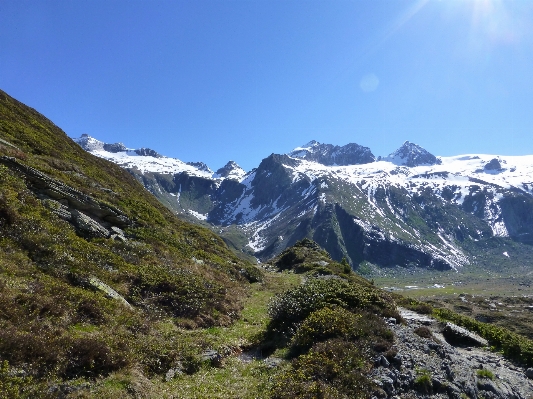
(332, 326)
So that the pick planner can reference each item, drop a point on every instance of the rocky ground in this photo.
(427, 365)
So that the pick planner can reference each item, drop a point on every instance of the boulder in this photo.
(456, 335)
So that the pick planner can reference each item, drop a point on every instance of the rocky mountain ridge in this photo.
(408, 209)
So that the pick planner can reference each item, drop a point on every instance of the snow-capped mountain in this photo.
(410, 154)
(409, 209)
(146, 160)
(327, 154)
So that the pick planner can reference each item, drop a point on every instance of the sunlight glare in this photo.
(491, 20)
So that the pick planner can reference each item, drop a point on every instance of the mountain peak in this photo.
(89, 143)
(411, 154)
(328, 154)
(231, 171)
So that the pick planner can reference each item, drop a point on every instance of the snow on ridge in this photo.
(455, 170)
(197, 215)
(130, 158)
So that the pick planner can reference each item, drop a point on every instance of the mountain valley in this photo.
(109, 292)
(409, 209)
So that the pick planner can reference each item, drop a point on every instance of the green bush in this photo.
(423, 332)
(332, 369)
(362, 328)
(423, 380)
(327, 323)
(293, 306)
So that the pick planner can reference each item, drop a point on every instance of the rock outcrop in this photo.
(328, 154)
(431, 367)
(90, 217)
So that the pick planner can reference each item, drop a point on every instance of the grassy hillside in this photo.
(75, 307)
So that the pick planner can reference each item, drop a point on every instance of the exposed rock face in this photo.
(115, 147)
(147, 152)
(411, 154)
(89, 143)
(200, 165)
(431, 367)
(461, 336)
(494, 164)
(90, 217)
(328, 154)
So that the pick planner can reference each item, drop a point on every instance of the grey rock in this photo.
(384, 362)
(328, 154)
(411, 154)
(147, 152)
(529, 373)
(212, 357)
(173, 372)
(88, 226)
(115, 147)
(494, 164)
(227, 169)
(107, 290)
(461, 336)
(90, 217)
(387, 384)
(200, 166)
(397, 360)
(273, 362)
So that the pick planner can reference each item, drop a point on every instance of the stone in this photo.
(171, 373)
(273, 362)
(213, 357)
(384, 362)
(461, 336)
(387, 384)
(529, 373)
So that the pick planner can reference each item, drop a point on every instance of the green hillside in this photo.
(78, 303)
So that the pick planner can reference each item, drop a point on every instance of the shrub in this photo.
(423, 380)
(89, 357)
(365, 329)
(332, 369)
(327, 323)
(293, 306)
(423, 332)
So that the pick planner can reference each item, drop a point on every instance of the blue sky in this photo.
(217, 80)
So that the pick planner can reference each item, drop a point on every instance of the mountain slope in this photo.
(96, 276)
(408, 209)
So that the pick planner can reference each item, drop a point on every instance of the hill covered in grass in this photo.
(92, 265)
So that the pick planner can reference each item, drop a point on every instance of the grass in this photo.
(485, 373)
(423, 380)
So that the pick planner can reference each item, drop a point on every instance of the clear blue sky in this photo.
(217, 80)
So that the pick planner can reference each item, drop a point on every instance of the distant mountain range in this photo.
(410, 208)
